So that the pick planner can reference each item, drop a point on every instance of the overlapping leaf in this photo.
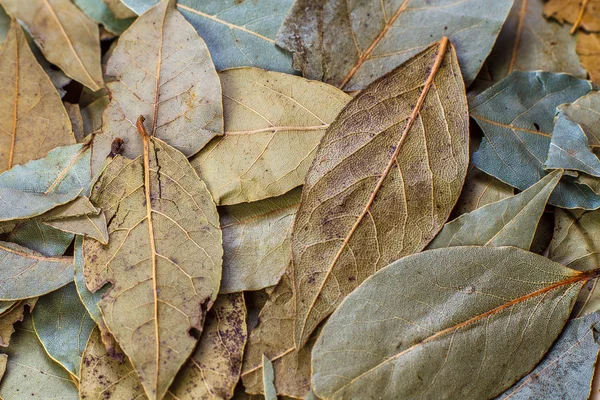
(579, 13)
(163, 259)
(588, 49)
(170, 80)
(14, 314)
(385, 178)
(268, 379)
(351, 44)
(66, 36)
(273, 125)
(414, 328)
(99, 12)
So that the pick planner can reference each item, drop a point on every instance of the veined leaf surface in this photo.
(384, 180)
(163, 259)
(414, 329)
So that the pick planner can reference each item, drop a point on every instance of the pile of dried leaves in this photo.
(183, 216)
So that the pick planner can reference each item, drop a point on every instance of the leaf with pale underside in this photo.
(268, 379)
(26, 273)
(567, 370)
(350, 44)
(256, 242)
(468, 330)
(385, 177)
(120, 10)
(516, 141)
(273, 125)
(29, 370)
(237, 33)
(579, 13)
(33, 188)
(163, 258)
(33, 120)
(66, 36)
(99, 12)
(15, 314)
(529, 42)
(170, 80)
(274, 338)
(509, 222)
(63, 325)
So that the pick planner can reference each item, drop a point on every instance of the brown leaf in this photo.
(385, 177)
(579, 13)
(588, 49)
(15, 314)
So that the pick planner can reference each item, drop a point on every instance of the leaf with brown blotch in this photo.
(579, 13)
(163, 258)
(274, 338)
(163, 72)
(588, 49)
(386, 175)
(66, 36)
(461, 322)
(256, 242)
(15, 314)
(33, 120)
(273, 125)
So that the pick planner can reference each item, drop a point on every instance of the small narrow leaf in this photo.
(33, 120)
(413, 327)
(268, 379)
(163, 258)
(66, 36)
(384, 180)
(170, 80)
(277, 121)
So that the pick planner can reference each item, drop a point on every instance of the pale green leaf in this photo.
(100, 13)
(268, 379)
(41, 238)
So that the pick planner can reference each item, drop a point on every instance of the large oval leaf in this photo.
(462, 322)
(170, 80)
(384, 180)
(33, 120)
(163, 259)
(363, 41)
(273, 125)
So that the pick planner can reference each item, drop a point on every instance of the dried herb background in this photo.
(310, 199)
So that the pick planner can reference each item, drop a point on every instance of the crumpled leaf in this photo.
(349, 45)
(120, 10)
(66, 36)
(29, 370)
(579, 13)
(415, 328)
(567, 370)
(33, 120)
(31, 189)
(26, 273)
(170, 80)
(238, 33)
(588, 49)
(529, 42)
(274, 337)
(63, 326)
(15, 314)
(509, 222)
(256, 242)
(516, 140)
(278, 120)
(268, 379)
(163, 258)
(100, 13)
(385, 177)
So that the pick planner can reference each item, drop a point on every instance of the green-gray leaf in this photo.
(350, 44)
(37, 236)
(517, 139)
(268, 379)
(100, 13)
(461, 322)
(508, 222)
(567, 370)
(63, 326)
(237, 33)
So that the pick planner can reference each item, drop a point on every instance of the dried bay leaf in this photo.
(3, 361)
(92, 114)
(237, 33)
(33, 120)
(25, 273)
(170, 80)
(40, 238)
(98, 11)
(4, 25)
(163, 258)
(579, 13)
(63, 326)
(66, 36)
(384, 180)
(256, 242)
(273, 125)
(520, 134)
(567, 370)
(349, 45)
(15, 314)
(414, 329)
(120, 10)
(268, 379)
(74, 113)
(30, 373)
(588, 50)
(93, 226)
(509, 222)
